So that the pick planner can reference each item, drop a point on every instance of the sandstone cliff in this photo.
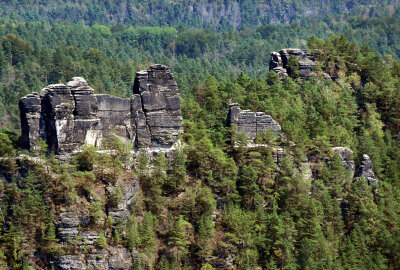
(251, 123)
(70, 116)
(279, 62)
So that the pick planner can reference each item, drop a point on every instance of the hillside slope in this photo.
(209, 14)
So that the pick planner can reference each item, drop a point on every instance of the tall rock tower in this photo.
(70, 116)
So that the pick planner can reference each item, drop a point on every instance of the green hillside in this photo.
(287, 200)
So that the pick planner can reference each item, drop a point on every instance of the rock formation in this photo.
(69, 116)
(366, 171)
(279, 62)
(346, 155)
(251, 123)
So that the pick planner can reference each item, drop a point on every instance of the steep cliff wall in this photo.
(279, 62)
(70, 116)
(251, 123)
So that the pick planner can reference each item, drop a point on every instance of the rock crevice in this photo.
(251, 123)
(279, 62)
(70, 116)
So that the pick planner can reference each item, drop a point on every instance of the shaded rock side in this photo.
(279, 62)
(70, 116)
(161, 105)
(251, 123)
(366, 171)
(30, 112)
(57, 119)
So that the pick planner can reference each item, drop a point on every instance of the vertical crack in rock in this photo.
(251, 123)
(57, 106)
(70, 116)
(30, 112)
(366, 171)
(160, 103)
(279, 62)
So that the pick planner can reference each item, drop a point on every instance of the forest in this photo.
(217, 204)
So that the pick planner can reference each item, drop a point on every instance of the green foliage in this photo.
(101, 241)
(132, 234)
(177, 175)
(86, 158)
(179, 237)
(6, 147)
(216, 197)
(207, 267)
(147, 234)
(116, 196)
(293, 67)
(152, 185)
(97, 216)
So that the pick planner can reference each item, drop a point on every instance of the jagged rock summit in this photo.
(70, 116)
(279, 62)
(251, 123)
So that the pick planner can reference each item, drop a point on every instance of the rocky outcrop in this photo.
(251, 123)
(123, 209)
(116, 258)
(346, 155)
(69, 223)
(279, 62)
(161, 104)
(30, 107)
(366, 171)
(69, 116)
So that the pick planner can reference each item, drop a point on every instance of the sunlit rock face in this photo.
(279, 62)
(70, 116)
(251, 123)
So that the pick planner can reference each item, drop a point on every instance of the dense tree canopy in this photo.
(215, 199)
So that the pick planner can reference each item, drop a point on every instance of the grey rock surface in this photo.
(70, 116)
(346, 155)
(251, 123)
(70, 262)
(110, 258)
(69, 223)
(279, 62)
(160, 104)
(366, 171)
(30, 107)
(122, 210)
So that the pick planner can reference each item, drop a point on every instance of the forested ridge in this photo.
(215, 14)
(34, 54)
(216, 203)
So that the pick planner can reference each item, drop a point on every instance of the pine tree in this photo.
(101, 240)
(132, 234)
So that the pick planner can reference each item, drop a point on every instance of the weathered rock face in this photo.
(346, 155)
(251, 123)
(69, 116)
(30, 107)
(279, 62)
(117, 258)
(366, 171)
(160, 104)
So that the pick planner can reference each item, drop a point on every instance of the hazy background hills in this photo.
(213, 14)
